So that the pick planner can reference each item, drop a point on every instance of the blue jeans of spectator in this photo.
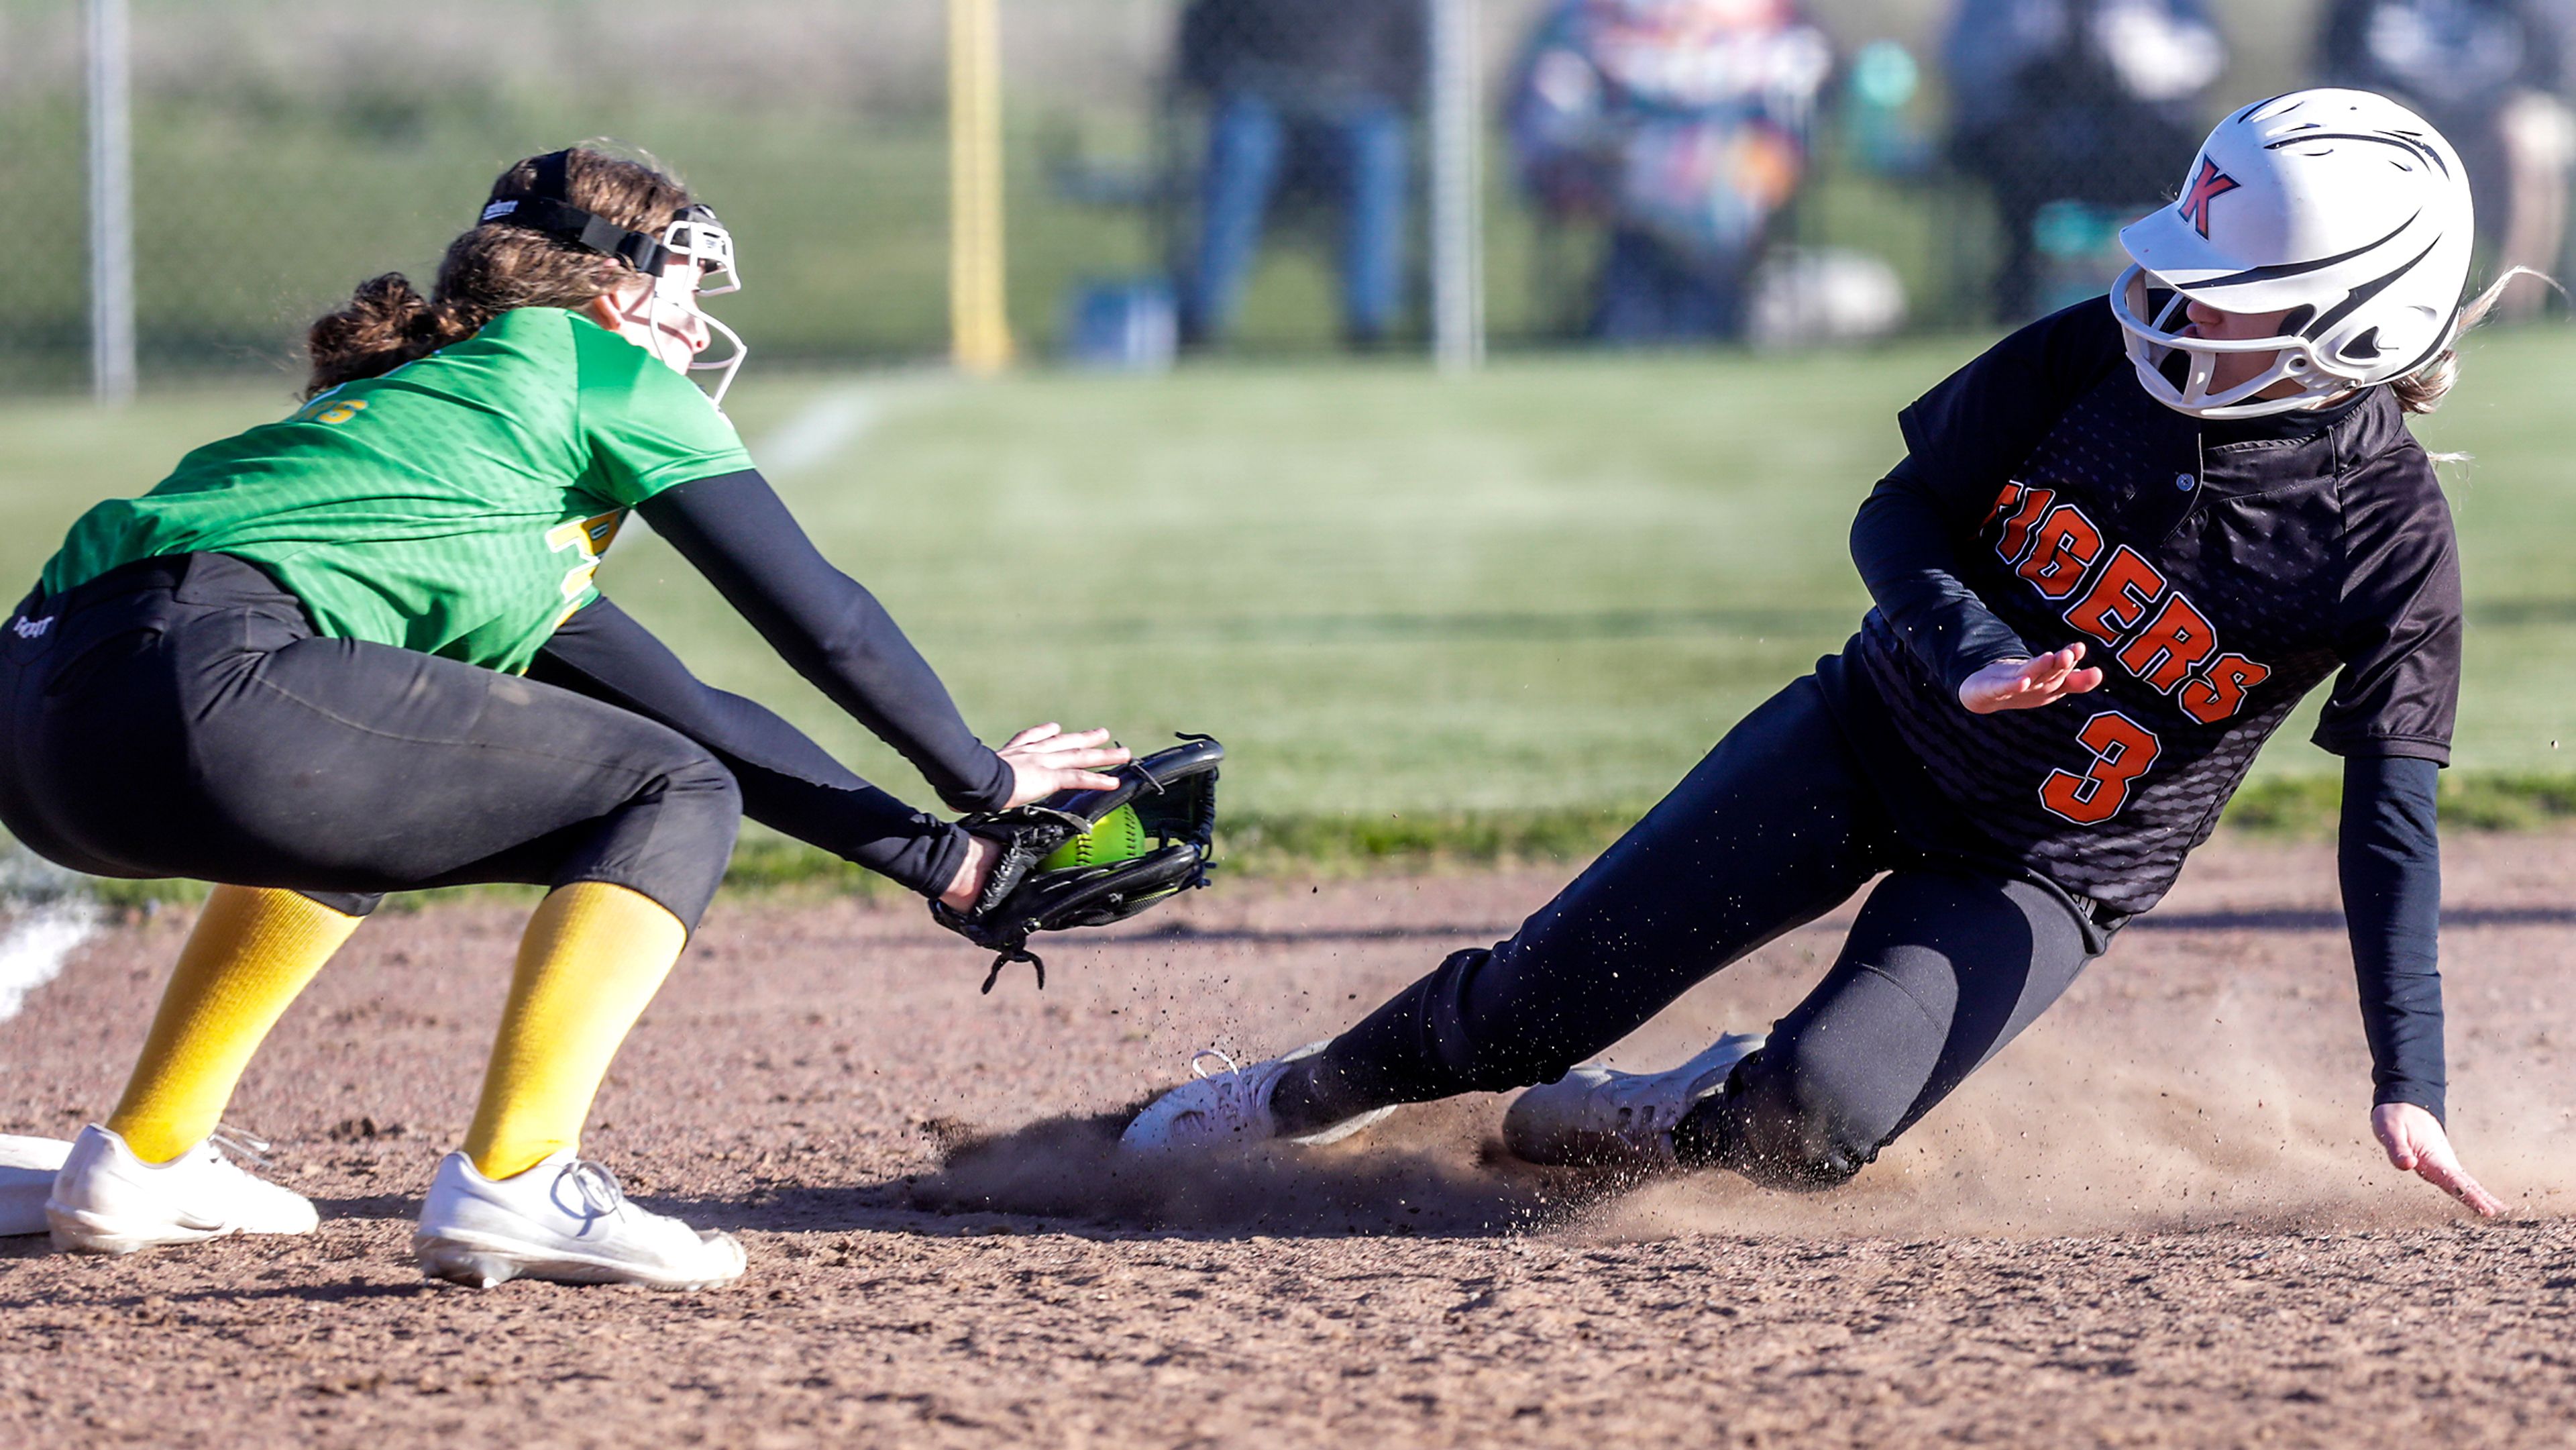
(1648, 293)
(1368, 153)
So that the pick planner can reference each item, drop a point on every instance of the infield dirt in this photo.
(2154, 1220)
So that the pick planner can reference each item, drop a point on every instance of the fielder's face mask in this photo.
(692, 258)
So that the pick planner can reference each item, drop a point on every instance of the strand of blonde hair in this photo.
(2423, 390)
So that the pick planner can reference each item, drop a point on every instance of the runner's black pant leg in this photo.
(1939, 972)
(1773, 829)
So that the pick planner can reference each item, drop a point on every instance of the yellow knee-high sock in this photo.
(251, 953)
(593, 956)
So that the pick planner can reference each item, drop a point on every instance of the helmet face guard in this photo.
(692, 258)
(2153, 341)
(705, 248)
(2340, 211)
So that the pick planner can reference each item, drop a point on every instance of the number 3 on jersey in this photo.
(2122, 750)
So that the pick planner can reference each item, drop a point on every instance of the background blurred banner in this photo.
(1256, 175)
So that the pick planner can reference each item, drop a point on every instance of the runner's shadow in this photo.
(405, 1206)
(1433, 1177)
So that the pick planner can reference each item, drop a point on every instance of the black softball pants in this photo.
(179, 717)
(1946, 962)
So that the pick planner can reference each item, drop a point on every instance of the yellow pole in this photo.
(979, 325)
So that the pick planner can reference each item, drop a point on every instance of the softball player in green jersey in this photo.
(360, 650)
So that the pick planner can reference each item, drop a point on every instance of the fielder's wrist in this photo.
(967, 886)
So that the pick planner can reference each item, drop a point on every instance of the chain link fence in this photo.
(1227, 175)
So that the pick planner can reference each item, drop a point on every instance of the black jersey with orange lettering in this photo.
(2215, 571)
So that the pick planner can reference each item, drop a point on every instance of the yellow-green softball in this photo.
(1118, 837)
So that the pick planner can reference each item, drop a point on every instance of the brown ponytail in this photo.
(490, 270)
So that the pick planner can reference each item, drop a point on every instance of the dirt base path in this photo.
(2154, 1220)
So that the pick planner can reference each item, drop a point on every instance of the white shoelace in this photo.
(230, 1142)
(1234, 1102)
(597, 1188)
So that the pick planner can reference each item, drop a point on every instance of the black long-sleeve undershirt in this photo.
(1906, 541)
(788, 782)
(735, 530)
(2389, 859)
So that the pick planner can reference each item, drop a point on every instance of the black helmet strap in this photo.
(547, 207)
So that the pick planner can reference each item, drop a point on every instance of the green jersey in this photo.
(457, 505)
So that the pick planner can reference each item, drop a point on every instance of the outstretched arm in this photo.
(789, 783)
(2389, 858)
(736, 532)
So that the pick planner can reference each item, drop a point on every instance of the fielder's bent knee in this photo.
(672, 839)
(705, 781)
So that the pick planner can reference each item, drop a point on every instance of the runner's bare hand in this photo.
(2417, 1143)
(2029, 684)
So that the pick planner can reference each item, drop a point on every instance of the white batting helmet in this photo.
(2342, 208)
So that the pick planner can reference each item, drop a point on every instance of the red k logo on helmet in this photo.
(2211, 184)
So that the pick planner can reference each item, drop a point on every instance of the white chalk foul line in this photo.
(35, 947)
(827, 425)
(49, 914)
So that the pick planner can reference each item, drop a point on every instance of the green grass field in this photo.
(1501, 609)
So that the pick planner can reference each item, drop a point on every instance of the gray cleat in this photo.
(1598, 1117)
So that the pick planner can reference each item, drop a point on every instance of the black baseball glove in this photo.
(1174, 795)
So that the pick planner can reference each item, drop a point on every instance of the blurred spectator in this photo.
(1320, 90)
(2074, 101)
(2491, 75)
(1681, 124)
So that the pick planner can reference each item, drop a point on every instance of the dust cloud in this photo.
(2142, 1104)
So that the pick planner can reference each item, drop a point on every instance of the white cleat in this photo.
(566, 1220)
(1233, 1106)
(107, 1201)
(1600, 1118)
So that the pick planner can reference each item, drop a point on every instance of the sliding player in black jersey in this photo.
(2124, 543)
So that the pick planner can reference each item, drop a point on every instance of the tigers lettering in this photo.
(2156, 633)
